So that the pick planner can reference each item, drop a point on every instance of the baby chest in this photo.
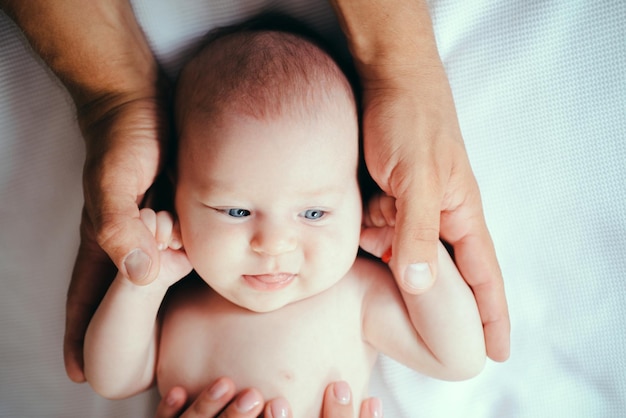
(293, 352)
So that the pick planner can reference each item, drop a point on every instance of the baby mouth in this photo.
(269, 282)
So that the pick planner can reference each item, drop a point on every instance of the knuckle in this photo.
(424, 233)
(202, 405)
(426, 176)
(108, 229)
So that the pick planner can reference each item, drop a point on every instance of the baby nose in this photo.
(274, 240)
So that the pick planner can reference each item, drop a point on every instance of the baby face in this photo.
(270, 211)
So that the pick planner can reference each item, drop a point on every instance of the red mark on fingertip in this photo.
(386, 257)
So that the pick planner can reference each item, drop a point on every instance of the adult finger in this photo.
(247, 404)
(172, 404)
(125, 147)
(337, 401)
(414, 261)
(218, 397)
(409, 165)
(121, 233)
(277, 408)
(371, 408)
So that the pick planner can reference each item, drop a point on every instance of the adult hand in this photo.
(222, 396)
(123, 153)
(338, 403)
(415, 152)
(124, 136)
(99, 52)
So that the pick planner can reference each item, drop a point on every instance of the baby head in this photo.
(266, 186)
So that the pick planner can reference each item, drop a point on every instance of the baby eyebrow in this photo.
(320, 192)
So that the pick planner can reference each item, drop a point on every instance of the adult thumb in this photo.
(414, 260)
(129, 243)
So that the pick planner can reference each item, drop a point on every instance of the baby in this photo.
(269, 211)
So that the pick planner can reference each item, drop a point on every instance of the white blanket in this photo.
(540, 88)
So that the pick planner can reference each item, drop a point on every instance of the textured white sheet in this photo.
(541, 94)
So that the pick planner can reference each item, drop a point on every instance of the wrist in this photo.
(389, 39)
(152, 292)
(95, 48)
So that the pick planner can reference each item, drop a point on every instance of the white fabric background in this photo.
(540, 88)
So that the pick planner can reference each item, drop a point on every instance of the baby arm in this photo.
(121, 344)
(438, 333)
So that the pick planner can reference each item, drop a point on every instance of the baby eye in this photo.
(238, 212)
(313, 214)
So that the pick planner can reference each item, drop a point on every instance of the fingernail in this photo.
(417, 276)
(341, 391)
(376, 408)
(279, 408)
(218, 390)
(247, 401)
(137, 264)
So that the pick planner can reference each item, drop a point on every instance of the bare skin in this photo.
(285, 296)
(222, 397)
(414, 150)
(120, 114)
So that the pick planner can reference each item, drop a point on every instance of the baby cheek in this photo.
(337, 250)
(196, 236)
(216, 249)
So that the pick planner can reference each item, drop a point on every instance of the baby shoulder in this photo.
(373, 276)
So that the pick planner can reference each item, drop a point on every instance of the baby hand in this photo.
(379, 221)
(174, 262)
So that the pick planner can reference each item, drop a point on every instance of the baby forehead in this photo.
(310, 135)
(262, 73)
(279, 145)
